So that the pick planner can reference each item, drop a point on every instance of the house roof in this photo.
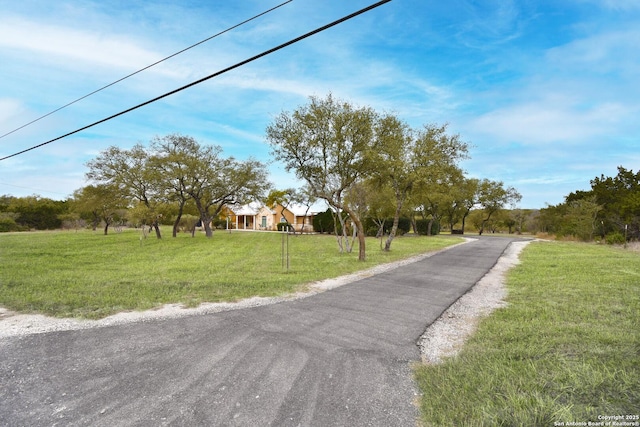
(301, 210)
(249, 209)
(254, 208)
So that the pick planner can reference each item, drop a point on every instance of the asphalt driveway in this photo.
(339, 358)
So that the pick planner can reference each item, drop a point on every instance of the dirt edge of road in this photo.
(446, 336)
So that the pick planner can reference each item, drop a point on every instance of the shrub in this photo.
(8, 224)
(219, 223)
(323, 222)
(615, 238)
(404, 226)
(284, 226)
(422, 226)
(188, 222)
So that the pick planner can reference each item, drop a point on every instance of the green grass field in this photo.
(89, 275)
(565, 349)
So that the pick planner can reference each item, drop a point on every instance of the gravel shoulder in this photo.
(446, 336)
(441, 339)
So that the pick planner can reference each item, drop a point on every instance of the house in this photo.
(299, 216)
(241, 217)
(255, 216)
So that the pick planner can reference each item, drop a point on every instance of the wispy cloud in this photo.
(549, 121)
(73, 45)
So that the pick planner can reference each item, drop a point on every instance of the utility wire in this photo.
(239, 64)
(31, 188)
(147, 67)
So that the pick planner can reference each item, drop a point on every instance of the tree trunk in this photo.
(361, 236)
(361, 239)
(485, 221)
(464, 218)
(304, 218)
(205, 217)
(206, 223)
(394, 228)
(106, 228)
(344, 235)
(400, 196)
(414, 225)
(177, 221)
(156, 227)
(175, 226)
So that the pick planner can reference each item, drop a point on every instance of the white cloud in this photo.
(72, 44)
(600, 53)
(488, 23)
(9, 110)
(549, 122)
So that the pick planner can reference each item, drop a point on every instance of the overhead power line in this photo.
(31, 188)
(233, 67)
(147, 67)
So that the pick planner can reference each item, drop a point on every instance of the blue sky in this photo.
(546, 92)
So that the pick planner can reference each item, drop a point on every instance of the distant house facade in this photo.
(260, 217)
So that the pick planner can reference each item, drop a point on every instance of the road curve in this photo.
(339, 358)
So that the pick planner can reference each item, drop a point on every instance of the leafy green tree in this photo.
(581, 218)
(8, 222)
(464, 193)
(619, 197)
(326, 143)
(214, 182)
(284, 198)
(304, 197)
(393, 151)
(101, 203)
(433, 173)
(494, 196)
(131, 173)
(172, 153)
(5, 201)
(35, 212)
(379, 209)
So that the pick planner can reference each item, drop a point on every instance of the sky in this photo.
(546, 92)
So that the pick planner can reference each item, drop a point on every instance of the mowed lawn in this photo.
(565, 350)
(86, 274)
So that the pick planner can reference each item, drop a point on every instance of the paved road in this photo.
(340, 358)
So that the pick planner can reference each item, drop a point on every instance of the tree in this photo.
(392, 151)
(35, 212)
(464, 193)
(214, 181)
(493, 196)
(177, 168)
(283, 198)
(580, 218)
(409, 160)
(379, 210)
(304, 196)
(326, 143)
(619, 198)
(171, 155)
(132, 174)
(102, 203)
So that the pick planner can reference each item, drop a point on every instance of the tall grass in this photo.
(565, 349)
(86, 274)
